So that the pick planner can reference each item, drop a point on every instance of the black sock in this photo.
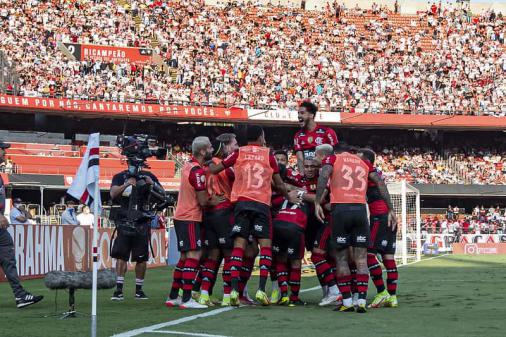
(187, 295)
(263, 282)
(174, 293)
(235, 284)
(119, 283)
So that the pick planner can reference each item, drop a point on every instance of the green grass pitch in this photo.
(444, 297)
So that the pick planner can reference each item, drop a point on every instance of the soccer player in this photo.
(217, 222)
(324, 263)
(192, 198)
(289, 235)
(255, 169)
(281, 157)
(383, 222)
(350, 224)
(310, 135)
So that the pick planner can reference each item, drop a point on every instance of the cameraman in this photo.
(131, 193)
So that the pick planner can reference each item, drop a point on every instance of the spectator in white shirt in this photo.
(86, 218)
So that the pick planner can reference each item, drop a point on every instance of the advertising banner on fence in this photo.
(184, 112)
(40, 249)
(479, 248)
(110, 53)
(444, 242)
(285, 115)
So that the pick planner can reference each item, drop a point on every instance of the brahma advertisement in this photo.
(40, 249)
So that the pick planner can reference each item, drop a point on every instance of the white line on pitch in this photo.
(140, 331)
(185, 333)
(309, 289)
(430, 258)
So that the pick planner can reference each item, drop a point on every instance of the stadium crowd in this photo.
(425, 167)
(346, 59)
(480, 221)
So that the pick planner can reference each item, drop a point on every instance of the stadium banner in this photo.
(479, 248)
(119, 109)
(85, 52)
(422, 120)
(290, 116)
(40, 249)
(445, 242)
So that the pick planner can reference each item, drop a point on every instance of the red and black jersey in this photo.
(293, 214)
(307, 141)
(377, 206)
(296, 179)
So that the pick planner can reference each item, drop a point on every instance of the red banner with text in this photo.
(103, 108)
(112, 54)
(479, 248)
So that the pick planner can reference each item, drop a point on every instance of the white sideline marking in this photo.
(309, 289)
(151, 328)
(186, 333)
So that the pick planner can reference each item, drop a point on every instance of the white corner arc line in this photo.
(185, 333)
(140, 331)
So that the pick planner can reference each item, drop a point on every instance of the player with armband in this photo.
(255, 169)
(350, 224)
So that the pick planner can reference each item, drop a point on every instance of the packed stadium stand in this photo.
(344, 58)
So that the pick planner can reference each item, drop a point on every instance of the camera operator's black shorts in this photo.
(383, 239)
(133, 248)
(350, 226)
(288, 238)
(188, 235)
(252, 218)
(323, 238)
(217, 227)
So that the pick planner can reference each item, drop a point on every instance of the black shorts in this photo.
(288, 239)
(383, 239)
(188, 235)
(314, 226)
(217, 225)
(252, 218)
(131, 247)
(350, 226)
(323, 238)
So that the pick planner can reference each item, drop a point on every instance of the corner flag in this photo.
(85, 188)
(87, 178)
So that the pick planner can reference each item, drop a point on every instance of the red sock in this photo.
(343, 283)
(246, 270)
(323, 269)
(208, 274)
(282, 273)
(392, 276)
(265, 265)
(362, 283)
(235, 267)
(375, 272)
(294, 282)
(189, 275)
(353, 273)
(227, 277)
(177, 279)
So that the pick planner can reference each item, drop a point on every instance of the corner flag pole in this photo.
(96, 198)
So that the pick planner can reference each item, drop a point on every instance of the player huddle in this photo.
(237, 203)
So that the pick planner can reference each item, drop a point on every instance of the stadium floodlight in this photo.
(406, 201)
